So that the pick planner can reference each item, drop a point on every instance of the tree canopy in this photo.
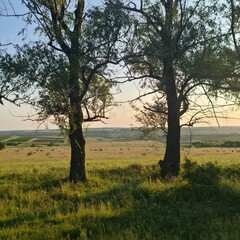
(183, 53)
(46, 72)
(11, 89)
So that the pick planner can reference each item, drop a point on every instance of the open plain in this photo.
(124, 198)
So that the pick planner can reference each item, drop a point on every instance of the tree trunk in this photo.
(170, 166)
(77, 141)
(77, 166)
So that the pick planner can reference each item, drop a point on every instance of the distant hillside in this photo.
(129, 134)
(28, 133)
(210, 134)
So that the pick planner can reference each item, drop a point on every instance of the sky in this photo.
(14, 118)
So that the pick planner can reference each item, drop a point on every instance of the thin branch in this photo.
(143, 95)
(5, 44)
(233, 28)
(12, 7)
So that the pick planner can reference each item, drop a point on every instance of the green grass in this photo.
(122, 199)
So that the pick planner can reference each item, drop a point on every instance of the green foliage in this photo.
(30, 153)
(51, 144)
(231, 144)
(206, 174)
(2, 145)
(222, 144)
(12, 89)
(98, 98)
(153, 117)
(12, 143)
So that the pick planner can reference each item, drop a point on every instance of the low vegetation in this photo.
(123, 198)
(221, 144)
(2, 145)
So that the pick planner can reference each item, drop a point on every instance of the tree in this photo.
(83, 43)
(181, 52)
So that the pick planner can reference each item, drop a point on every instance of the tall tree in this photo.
(180, 50)
(87, 41)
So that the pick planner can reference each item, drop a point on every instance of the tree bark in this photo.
(170, 166)
(77, 166)
(77, 141)
(76, 137)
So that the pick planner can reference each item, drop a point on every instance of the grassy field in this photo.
(123, 197)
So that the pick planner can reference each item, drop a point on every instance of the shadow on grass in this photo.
(201, 204)
(198, 206)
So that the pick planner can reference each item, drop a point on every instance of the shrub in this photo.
(206, 174)
(230, 144)
(2, 145)
(14, 144)
(51, 144)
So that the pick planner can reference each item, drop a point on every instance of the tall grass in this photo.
(122, 199)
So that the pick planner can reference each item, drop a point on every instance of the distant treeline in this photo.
(224, 144)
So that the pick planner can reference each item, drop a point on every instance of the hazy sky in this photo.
(14, 118)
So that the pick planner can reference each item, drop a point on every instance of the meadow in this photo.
(124, 198)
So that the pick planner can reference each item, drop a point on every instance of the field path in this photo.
(11, 138)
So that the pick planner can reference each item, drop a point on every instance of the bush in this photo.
(51, 144)
(206, 174)
(2, 145)
(231, 144)
(14, 144)
(30, 153)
